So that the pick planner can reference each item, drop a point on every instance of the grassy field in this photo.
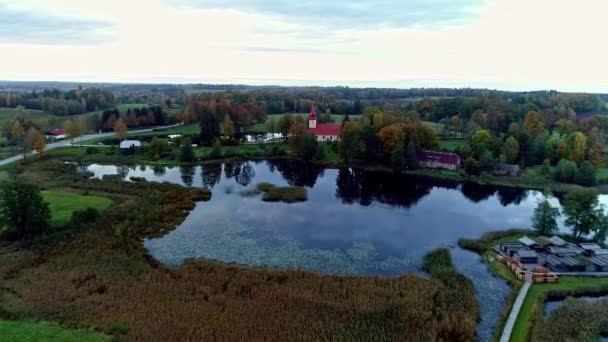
(35, 332)
(63, 204)
(533, 301)
(452, 144)
(123, 107)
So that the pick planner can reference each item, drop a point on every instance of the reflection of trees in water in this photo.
(508, 196)
(187, 173)
(159, 170)
(476, 192)
(142, 168)
(211, 174)
(242, 172)
(295, 172)
(123, 171)
(357, 186)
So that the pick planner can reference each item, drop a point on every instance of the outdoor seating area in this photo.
(546, 260)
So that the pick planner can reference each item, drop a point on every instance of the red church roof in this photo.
(326, 129)
(439, 157)
(313, 112)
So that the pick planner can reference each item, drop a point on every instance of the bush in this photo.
(586, 174)
(84, 216)
(186, 153)
(92, 150)
(471, 167)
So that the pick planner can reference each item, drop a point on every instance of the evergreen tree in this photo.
(544, 219)
(186, 153)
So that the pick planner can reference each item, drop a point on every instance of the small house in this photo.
(566, 250)
(507, 170)
(532, 244)
(56, 134)
(129, 144)
(442, 160)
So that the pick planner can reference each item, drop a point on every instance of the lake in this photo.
(354, 222)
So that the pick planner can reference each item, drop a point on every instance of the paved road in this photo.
(64, 143)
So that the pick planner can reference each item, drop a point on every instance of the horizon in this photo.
(511, 45)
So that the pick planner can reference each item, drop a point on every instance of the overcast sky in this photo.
(504, 44)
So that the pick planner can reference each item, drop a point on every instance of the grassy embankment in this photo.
(63, 204)
(100, 276)
(35, 332)
(532, 308)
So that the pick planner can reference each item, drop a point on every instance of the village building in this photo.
(56, 134)
(127, 144)
(443, 160)
(323, 132)
(511, 170)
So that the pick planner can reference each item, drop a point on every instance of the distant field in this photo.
(43, 119)
(34, 332)
(452, 144)
(63, 204)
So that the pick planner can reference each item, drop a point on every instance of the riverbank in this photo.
(529, 179)
(531, 312)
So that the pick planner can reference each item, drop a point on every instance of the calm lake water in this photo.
(354, 222)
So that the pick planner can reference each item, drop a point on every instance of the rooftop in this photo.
(557, 241)
(438, 157)
(527, 241)
(326, 129)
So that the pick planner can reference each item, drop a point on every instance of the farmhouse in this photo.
(323, 132)
(56, 134)
(443, 160)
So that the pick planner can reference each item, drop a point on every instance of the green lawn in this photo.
(523, 324)
(63, 204)
(38, 332)
(123, 107)
(452, 144)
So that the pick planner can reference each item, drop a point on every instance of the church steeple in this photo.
(312, 118)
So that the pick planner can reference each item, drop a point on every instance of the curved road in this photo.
(67, 142)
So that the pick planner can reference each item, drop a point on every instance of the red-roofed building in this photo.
(56, 134)
(323, 132)
(444, 160)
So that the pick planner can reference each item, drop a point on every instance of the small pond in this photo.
(552, 305)
(354, 222)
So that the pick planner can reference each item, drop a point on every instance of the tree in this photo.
(510, 150)
(17, 131)
(565, 171)
(210, 127)
(284, 125)
(534, 123)
(579, 148)
(544, 219)
(31, 136)
(186, 152)
(302, 143)
(586, 174)
(545, 169)
(120, 129)
(398, 161)
(39, 145)
(228, 128)
(471, 167)
(487, 161)
(411, 160)
(271, 125)
(72, 129)
(480, 141)
(349, 141)
(582, 211)
(22, 209)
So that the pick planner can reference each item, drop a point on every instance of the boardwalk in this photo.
(506, 333)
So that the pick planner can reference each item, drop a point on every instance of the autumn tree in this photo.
(39, 145)
(534, 123)
(72, 129)
(392, 135)
(579, 147)
(31, 137)
(480, 141)
(17, 132)
(120, 129)
(228, 128)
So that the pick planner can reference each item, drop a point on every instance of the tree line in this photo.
(61, 103)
